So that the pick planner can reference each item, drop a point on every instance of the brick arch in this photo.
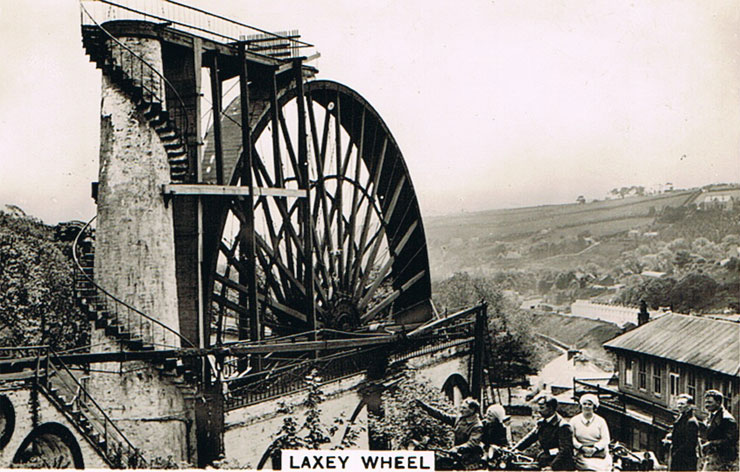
(7, 420)
(455, 382)
(50, 445)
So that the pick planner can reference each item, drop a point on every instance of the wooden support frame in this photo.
(247, 244)
(205, 190)
(305, 208)
(216, 97)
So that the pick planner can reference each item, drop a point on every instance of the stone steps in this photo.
(148, 104)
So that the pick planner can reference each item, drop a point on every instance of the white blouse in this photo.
(591, 433)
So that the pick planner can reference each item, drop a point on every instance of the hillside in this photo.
(543, 236)
(584, 334)
(679, 249)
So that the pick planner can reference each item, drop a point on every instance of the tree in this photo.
(313, 433)
(463, 290)
(693, 292)
(401, 424)
(581, 200)
(36, 299)
(515, 352)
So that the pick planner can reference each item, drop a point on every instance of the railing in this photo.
(145, 76)
(133, 320)
(198, 22)
(13, 352)
(291, 379)
(268, 385)
(619, 400)
(52, 376)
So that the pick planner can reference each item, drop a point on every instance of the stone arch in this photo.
(456, 388)
(49, 446)
(7, 420)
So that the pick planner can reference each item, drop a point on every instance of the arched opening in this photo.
(456, 388)
(7, 420)
(49, 446)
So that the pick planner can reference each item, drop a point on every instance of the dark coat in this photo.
(556, 440)
(468, 430)
(494, 433)
(684, 440)
(720, 449)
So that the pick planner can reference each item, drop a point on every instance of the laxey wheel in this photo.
(368, 252)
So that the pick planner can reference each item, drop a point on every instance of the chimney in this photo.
(643, 316)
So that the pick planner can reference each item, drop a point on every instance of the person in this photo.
(554, 435)
(495, 429)
(496, 426)
(684, 436)
(590, 436)
(466, 426)
(720, 445)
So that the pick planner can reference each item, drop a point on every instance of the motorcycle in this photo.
(501, 458)
(624, 459)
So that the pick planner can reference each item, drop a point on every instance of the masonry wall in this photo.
(20, 397)
(250, 430)
(134, 260)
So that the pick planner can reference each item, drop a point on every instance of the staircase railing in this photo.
(54, 375)
(135, 321)
(145, 76)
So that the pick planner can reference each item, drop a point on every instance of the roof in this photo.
(703, 342)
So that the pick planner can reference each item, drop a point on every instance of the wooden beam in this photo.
(305, 208)
(229, 191)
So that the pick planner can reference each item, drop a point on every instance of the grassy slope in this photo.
(587, 335)
(453, 250)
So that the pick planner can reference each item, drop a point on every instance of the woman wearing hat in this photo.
(590, 437)
(495, 429)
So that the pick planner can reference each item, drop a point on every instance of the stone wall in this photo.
(249, 431)
(135, 261)
(20, 397)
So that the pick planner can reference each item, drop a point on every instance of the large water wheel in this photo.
(367, 248)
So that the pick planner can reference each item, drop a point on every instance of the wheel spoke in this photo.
(355, 199)
(369, 210)
(338, 193)
(321, 188)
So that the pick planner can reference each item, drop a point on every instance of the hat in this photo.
(498, 412)
(590, 397)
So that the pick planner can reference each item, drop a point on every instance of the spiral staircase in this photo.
(130, 329)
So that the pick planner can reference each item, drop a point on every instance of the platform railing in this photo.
(135, 322)
(291, 379)
(195, 21)
(54, 376)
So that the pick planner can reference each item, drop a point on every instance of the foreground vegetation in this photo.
(36, 300)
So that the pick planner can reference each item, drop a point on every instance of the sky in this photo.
(495, 104)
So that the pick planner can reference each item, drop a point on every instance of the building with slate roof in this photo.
(658, 361)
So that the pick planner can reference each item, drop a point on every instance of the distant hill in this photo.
(486, 241)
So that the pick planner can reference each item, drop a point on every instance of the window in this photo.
(727, 392)
(644, 440)
(657, 385)
(628, 371)
(675, 386)
(642, 374)
(691, 385)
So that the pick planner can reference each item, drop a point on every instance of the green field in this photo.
(473, 241)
